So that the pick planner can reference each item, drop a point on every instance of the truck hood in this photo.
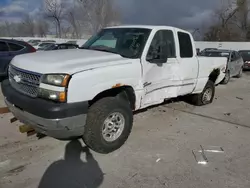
(67, 61)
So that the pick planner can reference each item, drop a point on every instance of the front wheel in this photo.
(226, 79)
(207, 95)
(108, 126)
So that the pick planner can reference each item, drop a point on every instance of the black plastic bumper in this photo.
(40, 107)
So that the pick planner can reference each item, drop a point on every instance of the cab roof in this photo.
(149, 27)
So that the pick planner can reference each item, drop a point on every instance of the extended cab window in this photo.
(15, 47)
(186, 48)
(3, 47)
(162, 43)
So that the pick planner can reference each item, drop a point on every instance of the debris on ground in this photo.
(227, 114)
(239, 98)
(200, 155)
(158, 160)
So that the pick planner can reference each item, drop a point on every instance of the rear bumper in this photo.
(246, 66)
(61, 121)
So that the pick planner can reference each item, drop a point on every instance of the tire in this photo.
(226, 79)
(239, 75)
(200, 100)
(99, 112)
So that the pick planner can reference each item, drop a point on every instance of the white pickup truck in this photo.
(92, 92)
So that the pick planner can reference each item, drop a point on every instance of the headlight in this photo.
(56, 79)
(52, 95)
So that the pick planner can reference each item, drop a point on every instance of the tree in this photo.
(28, 26)
(98, 14)
(42, 27)
(71, 17)
(241, 20)
(54, 9)
(223, 28)
(7, 28)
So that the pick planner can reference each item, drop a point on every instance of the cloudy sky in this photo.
(187, 14)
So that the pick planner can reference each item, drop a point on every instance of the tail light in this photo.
(32, 49)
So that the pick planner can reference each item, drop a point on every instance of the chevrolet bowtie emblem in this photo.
(17, 78)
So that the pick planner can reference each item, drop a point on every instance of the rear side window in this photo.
(15, 47)
(186, 48)
(3, 47)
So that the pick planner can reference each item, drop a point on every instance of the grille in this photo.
(24, 81)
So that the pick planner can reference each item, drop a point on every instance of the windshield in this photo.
(245, 55)
(128, 42)
(215, 54)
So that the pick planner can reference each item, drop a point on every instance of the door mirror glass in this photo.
(162, 47)
(156, 54)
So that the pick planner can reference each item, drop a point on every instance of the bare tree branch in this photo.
(98, 14)
(54, 10)
(29, 26)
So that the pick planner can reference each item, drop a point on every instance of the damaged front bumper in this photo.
(58, 120)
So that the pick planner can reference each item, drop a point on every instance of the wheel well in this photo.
(125, 92)
(214, 75)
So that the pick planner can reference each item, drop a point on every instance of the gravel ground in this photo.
(157, 154)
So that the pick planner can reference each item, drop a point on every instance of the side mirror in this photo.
(157, 55)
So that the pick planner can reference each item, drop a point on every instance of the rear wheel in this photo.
(226, 79)
(207, 95)
(109, 123)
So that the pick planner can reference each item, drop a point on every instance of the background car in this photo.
(8, 50)
(62, 46)
(198, 51)
(207, 49)
(72, 42)
(234, 65)
(52, 41)
(33, 41)
(245, 54)
(42, 45)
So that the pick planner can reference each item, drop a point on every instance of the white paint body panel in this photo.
(94, 72)
(66, 61)
(86, 85)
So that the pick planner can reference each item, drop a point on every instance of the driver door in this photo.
(160, 67)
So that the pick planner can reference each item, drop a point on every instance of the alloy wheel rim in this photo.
(113, 126)
(207, 96)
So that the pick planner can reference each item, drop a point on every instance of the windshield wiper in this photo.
(98, 48)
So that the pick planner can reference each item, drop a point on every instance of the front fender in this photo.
(84, 86)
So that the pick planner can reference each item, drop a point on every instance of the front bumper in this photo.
(61, 121)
